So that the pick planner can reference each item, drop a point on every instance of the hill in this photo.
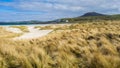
(92, 14)
(90, 17)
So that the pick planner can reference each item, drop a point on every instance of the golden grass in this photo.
(22, 28)
(54, 26)
(89, 45)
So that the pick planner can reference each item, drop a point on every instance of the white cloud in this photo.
(59, 8)
(43, 6)
(48, 5)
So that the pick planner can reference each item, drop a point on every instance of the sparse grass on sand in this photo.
(22, 28)
(6, 34)
(89, 45)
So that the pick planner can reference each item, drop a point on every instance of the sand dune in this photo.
(33, 33)
(14, 30)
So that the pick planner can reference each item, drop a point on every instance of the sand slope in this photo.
(33, 33)
(14, 30)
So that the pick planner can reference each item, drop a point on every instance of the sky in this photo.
(44, 10)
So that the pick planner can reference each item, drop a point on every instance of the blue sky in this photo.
(24, 10)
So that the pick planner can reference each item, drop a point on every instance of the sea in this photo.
(24, 24)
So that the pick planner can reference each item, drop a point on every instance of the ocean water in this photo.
(25, 25)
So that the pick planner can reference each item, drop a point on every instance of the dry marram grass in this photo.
(87, 45)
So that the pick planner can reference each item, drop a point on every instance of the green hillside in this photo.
(91, 18)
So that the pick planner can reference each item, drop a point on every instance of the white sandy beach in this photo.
(32, 34)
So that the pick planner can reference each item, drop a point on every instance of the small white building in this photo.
(67, 21)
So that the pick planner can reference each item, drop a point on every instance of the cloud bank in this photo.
(17, 10)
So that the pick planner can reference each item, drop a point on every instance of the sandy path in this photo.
(33, 33)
